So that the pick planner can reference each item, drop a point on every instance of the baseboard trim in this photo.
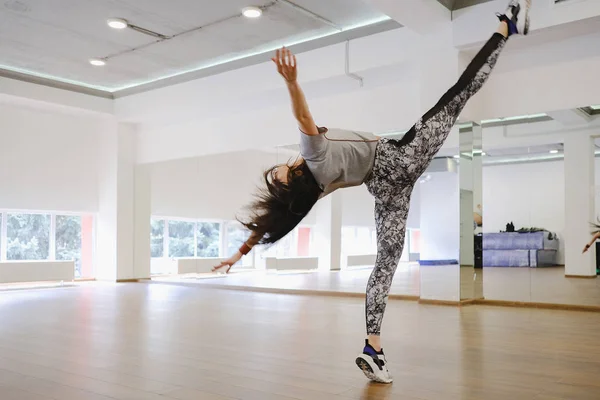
(128, 280)
(439, 302)
(582, 276)
(452, 303)
(548, 306)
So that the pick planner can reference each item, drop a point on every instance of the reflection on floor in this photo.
(353, 280)
(539, 285)
(163, 342)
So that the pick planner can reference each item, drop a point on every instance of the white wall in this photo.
(210, 187)
(48, 159)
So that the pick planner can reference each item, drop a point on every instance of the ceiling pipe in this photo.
(348, 73)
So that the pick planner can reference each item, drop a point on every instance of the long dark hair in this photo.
(280, 206)
(595, 227)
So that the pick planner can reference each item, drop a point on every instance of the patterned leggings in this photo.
(398, 165)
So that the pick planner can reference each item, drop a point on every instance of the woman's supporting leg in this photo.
(391, 229)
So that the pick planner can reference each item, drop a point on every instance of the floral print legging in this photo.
(400, 163)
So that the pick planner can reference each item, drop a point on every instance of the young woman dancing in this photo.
(388, 167)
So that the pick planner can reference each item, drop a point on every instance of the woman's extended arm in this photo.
(287, 68)
(587, 246)
(245, 249)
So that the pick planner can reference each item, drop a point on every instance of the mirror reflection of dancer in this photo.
(594, 238)
(332, 159)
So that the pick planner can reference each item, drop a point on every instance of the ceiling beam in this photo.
(570, 117)
(453, 5)
(418, 15)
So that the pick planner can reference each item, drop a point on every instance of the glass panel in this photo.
(68, 240)
(28, 236)
(208, 238)
(236, 235)
(157, 234)
(358, 240)
(181, 239)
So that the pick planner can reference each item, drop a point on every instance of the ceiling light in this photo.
(117, 23)
(553, 151)
(456, 156)
(251, 12)
(97, 62)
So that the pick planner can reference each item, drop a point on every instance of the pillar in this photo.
(579, 204)
(328, 232)
(123, 228)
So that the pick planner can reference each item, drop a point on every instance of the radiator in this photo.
(292, 263)
(36, 271)
(359, 260)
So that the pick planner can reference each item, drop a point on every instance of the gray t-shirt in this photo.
(336, 164)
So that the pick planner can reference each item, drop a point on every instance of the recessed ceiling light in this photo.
(117, 23)
(251, 12)
(97, 62)
(553, 151)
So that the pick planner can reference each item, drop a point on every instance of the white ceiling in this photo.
(55, 39)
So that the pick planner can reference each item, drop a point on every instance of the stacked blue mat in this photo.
(513, 249)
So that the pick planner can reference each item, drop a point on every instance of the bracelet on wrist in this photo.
(245, 249)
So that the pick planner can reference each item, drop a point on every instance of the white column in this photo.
(579, 204)
(143, 212)
(117, 245)
(328, 232)
(440, 234)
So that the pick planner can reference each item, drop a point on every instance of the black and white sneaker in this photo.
(517, 17)
(373, 364)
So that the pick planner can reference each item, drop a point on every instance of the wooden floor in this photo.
(161, 342)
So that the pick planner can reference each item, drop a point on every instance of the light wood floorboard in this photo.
(144, 341)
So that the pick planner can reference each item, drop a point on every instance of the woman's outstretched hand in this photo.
(286, 64)
(229, 262)
(586, 248)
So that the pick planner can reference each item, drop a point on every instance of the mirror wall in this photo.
(540, 195)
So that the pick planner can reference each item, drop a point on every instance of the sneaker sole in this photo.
(525, 27)
(368, 371)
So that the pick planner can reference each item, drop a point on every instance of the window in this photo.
(68, 240)
(208, 239)
(236, 236)
(53, 237)
(157, 237)
(28, 236)
(415, 240)
(181, 239)
(358, 240)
